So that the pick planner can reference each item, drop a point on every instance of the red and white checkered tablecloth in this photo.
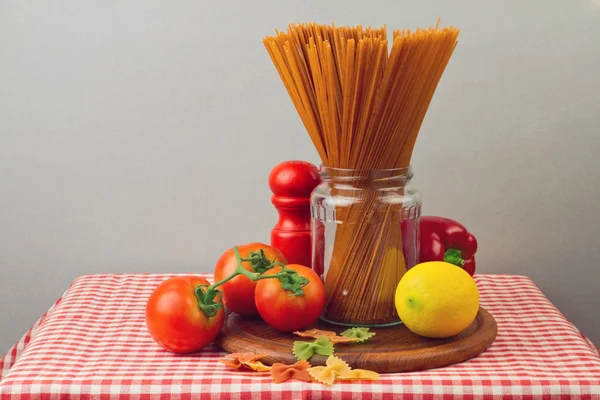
(93, 344)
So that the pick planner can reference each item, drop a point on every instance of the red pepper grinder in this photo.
(292, 183)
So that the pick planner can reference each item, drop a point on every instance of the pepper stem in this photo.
(454, 256)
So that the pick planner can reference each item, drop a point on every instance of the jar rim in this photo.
(349, 173)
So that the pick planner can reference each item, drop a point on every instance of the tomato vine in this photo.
(290, 280)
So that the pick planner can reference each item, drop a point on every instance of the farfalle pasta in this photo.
(257, 366)
(322, 374)
(338, 365)
(305, 350)
(337, 368)
(299, 370)
(358, 374)
(315, 333)
(248, 360)
(331, 336)
(360, 334)
(333, 368)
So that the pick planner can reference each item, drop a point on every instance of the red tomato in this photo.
(285, 312)
(238, 293)
(174, 319)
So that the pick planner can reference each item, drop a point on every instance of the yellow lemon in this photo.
(437, 299)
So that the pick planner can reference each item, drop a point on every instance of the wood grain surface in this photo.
(394, 349)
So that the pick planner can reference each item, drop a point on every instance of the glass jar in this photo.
(365, 233)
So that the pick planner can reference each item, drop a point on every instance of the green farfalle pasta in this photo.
(305, 350)
(361, 334)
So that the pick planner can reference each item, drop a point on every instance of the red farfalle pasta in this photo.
(315, 333)
(331, 336)
(281, 372)
(249, 360)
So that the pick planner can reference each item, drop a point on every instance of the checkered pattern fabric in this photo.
(93, 345)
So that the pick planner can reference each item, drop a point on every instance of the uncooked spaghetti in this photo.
(362, 106)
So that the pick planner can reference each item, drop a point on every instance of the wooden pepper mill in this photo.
(292, 183)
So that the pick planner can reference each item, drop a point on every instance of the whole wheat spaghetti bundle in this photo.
(362, 102)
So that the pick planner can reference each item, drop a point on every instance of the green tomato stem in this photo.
(239, 270)
(290, 280)
(277, 275)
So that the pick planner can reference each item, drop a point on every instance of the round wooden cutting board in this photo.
(394, 349)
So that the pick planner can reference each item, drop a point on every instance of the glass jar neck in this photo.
(344, 175)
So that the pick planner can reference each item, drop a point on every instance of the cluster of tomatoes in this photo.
(186, 313)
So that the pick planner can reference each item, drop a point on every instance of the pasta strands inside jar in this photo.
(362, 101)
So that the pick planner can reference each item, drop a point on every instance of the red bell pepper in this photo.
(443, 239)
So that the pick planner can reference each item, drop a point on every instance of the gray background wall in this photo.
(135, 135)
